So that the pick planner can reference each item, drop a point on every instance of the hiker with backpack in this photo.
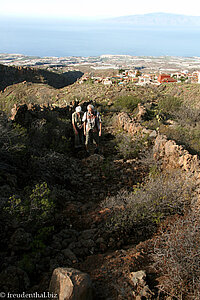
(77, 124)
(92, 127)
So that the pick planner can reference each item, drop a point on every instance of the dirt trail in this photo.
(100, 176)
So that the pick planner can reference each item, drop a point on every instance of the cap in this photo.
(78, 109)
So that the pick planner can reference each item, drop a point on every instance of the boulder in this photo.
(71, 284)
(141, 289)
(138, 277)
(153, 134)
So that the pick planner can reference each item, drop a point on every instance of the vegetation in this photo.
(46, 190)
(160, 195)
(126, 103)
(177, 120)
(169, 105)
(177, 257)
(38, 206)
(130, 147)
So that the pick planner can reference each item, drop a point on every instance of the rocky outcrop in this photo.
(26, 115)
(175, 156)
(71, 284)
(133, 125)
(171, 155)
(142, 113)
(128, 124)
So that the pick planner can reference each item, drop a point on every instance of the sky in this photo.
(95, 9)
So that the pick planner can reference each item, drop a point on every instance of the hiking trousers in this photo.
(92, 135)
(79, 138)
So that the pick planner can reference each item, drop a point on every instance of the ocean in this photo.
(93, 38)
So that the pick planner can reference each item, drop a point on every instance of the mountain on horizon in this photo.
(158, 19)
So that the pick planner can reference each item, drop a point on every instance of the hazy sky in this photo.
(92, 8)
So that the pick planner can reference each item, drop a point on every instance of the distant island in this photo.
(156, 34)
(158, 19)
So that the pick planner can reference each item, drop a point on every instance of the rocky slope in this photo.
(64, 209)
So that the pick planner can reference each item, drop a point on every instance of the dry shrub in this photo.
(177, 256)
(169, 105)
(129, 147)
(161, 195)
(187, 115)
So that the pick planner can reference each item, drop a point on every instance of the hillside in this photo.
(10, 75)
(126, 215)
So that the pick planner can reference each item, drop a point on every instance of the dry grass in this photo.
(177, 257)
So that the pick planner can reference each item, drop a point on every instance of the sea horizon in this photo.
(42, 37)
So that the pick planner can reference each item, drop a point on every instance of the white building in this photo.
(143, 80)
(107, 81)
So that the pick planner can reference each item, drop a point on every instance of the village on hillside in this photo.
(142, 78)
(115, 69)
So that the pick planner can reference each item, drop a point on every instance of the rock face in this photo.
(71, 284)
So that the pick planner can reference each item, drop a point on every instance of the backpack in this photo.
(92, 120)
(78, 121)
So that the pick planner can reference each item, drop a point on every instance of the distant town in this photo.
(115, 69)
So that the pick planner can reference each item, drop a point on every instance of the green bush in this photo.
(52, 133)
(177, 257)
(13, 138)
(36, 206)
(126, 103)
(41, 203)
(15, 207)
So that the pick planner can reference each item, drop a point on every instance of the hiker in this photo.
(92, 127)
(78, 127)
